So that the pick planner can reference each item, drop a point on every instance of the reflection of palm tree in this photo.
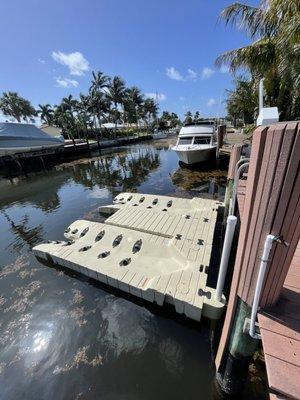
(30, 236)
(126, 170)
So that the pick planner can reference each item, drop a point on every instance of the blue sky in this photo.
(49, 49)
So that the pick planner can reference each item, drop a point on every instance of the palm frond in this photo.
(244, 17)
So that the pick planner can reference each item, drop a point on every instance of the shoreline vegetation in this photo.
(274, 55)
(108, 101)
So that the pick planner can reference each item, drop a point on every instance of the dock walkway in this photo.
(280, 332)
(155, 247)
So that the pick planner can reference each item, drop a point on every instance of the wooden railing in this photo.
(272, 206)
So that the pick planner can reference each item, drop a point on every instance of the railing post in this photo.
(230, 228)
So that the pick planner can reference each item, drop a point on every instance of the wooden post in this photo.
(272, 206)
(220, 138)
(235, 155)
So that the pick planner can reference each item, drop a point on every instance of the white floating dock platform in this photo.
(155, 247)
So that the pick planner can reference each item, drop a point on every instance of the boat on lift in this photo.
(196, 143)
(19, 138)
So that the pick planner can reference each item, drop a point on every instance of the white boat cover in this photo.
(24, 137)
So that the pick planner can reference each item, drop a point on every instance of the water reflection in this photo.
(24, 233)
(64, 338)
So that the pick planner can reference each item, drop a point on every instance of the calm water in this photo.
(66, 337)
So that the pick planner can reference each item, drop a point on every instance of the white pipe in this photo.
(260, 279)
(261, 94)
(231, 222)
(235, 183)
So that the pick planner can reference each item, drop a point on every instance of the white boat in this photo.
(196, 143)
(17, 138)
(159, 135)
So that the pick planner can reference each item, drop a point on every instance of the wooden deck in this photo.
(280, 330)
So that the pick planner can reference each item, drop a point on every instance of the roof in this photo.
(189, 130)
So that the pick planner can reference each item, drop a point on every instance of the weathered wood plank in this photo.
(285, 377)
(258, 144)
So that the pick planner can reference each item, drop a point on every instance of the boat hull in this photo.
(190, 157)
(14, 148)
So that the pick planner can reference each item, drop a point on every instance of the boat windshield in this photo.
(197, 140)
(202, 140)
(186, 140)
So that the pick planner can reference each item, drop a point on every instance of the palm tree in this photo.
(196, 116)
(188, 118)
(16, 106)
(46, 113)
(134, 101)
(116, 93)
(100, 106)
(69, 104)
(275, 51)
(99, 82)
(151, 110)
(242, 101)
(98, 97)
(66, 114)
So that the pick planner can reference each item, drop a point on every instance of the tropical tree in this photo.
(99, 102)
(16, 106)
(274, 53)
(69, 104)
(132, 104)
(116, 93)
(174, 120)
(197, 116)
(242, 101)
(65, 120)
(188, 118)
(100, 82)
(46, 113)
(150, 109)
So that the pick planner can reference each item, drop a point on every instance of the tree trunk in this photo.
(99, 133)
(116, 119)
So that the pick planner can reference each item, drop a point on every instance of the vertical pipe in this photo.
(231, 223)
(236, 182)
(260, 279)
(261, 94)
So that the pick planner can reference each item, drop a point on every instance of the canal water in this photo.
(67, 337)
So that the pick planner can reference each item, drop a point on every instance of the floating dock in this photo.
(155, 247)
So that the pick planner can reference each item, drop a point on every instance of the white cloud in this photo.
(181, 98)
(40, 60)
(207, 73)
(211, 102)
(192, 74)
(76, 63)
(157, 96)
(172, 73)
(66, 82)
(224, 69)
